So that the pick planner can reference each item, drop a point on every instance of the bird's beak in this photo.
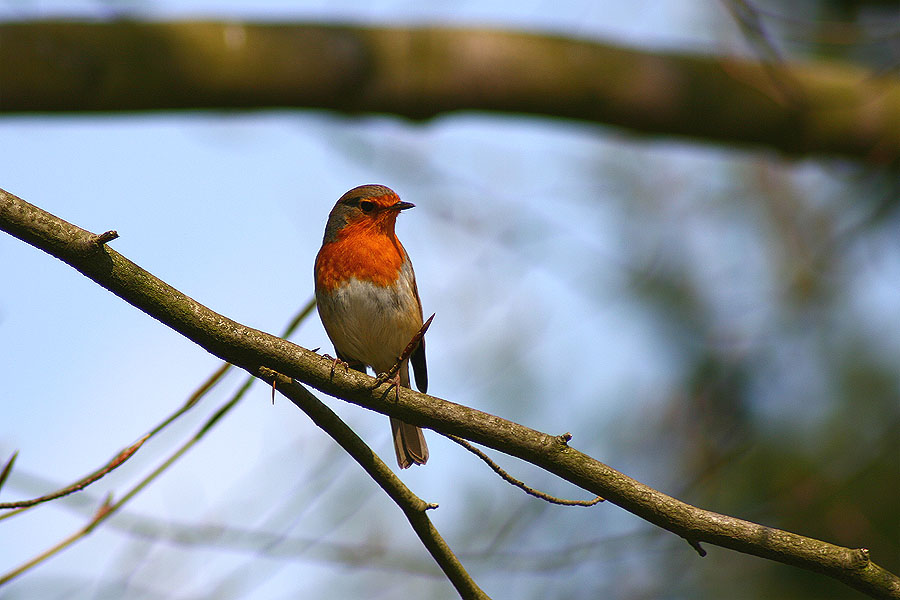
(402, 206)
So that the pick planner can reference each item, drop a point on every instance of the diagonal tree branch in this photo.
(251, 349)
(412, 506)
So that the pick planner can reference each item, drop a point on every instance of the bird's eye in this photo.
(366, 206)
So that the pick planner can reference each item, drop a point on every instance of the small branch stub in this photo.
(861, 559)
(696, 546)
(105, 237)
(94, 243)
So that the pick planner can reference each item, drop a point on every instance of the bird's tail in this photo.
(409, 444)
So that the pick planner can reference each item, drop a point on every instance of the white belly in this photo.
(372, 324)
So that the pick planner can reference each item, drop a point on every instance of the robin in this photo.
(367, 298)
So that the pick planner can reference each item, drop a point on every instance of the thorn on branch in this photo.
(7, 469)
(512, 480)
(92, 244)
(102, 511)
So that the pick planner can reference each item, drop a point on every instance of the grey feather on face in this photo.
(336, 221)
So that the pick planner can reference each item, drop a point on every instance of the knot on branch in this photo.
(859, 558)
(564, 438)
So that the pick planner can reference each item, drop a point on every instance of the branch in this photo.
(424, 72)
(92, 244)
(412, 506)
(118, 460)
(250, 349)
(519, 484)
(108, 508)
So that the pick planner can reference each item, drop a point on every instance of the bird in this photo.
(368, 301)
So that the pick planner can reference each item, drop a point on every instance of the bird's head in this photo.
(368, 207)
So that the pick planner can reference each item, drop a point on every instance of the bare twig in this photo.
(82, 483)
(412, 506)
(123, 455)
(522, 486)
(263, 541)
(106, 510)
(102, 513)
(747, 18)
(109, 507)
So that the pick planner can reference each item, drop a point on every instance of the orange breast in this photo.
(361, 253)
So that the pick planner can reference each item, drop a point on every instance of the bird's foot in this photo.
(335, 362)
(393, 379)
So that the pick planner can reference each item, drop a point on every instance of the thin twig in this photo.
(522, 486)
(99, 516)
(82, 483)
(747, 17)
(109, 508)
(125, 454)
(412, 506)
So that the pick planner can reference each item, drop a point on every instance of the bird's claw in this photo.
(394, 381)
(335, 362)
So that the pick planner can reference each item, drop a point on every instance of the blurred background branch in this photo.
(420, 73)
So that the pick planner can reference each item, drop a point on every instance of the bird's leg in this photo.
(392, 375)
(410, 347)
(393, 378)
